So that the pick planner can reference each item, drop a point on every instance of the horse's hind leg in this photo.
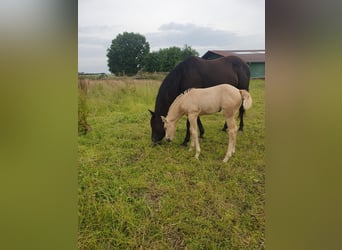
(241, 113)
(232, 138)
(200, 127)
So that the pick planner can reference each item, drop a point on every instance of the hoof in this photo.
(184, 144)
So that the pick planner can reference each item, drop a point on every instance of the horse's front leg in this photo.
(194, 134)
(225, 127)
(200, 127)
(187, 135)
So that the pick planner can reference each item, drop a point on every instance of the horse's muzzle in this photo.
(168, 139)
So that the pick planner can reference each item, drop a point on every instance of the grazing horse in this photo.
(196, 72)
(195, 102)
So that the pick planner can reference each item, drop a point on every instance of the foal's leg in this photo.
(241, 124)
(187, 135)
(232, 138)
(191, 138)
(194, 134)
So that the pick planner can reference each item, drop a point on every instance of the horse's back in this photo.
(214, 92)
(196, 72)
(201, 73)
(212, 99)
(226, 91)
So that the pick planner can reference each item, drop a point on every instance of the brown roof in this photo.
(246, 55)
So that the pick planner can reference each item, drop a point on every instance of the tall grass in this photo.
(133, 196)
(83, 126)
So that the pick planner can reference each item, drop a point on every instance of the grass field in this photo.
(134, 196)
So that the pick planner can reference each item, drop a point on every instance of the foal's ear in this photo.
(151, 112)
(163, 119)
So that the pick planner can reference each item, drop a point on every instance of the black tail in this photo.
(241, 113)
(244, 75)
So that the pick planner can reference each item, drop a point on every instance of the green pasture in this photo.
(134, 196)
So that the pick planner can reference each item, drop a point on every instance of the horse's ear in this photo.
(151, 112)
(163, 119)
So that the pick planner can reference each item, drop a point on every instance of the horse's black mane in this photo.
(171, 86)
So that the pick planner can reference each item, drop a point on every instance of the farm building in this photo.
(254, 58)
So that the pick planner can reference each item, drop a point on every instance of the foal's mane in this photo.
(179, 97)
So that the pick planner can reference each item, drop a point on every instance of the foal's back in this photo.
(211, 100)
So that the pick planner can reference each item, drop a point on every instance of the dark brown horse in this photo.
(196, 72)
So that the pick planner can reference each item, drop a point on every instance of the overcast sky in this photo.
(202, 24)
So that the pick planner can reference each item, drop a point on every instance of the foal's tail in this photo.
(246, 104)
(246, 99)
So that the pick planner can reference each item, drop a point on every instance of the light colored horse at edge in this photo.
(203, 101)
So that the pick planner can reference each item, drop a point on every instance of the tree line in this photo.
(130, 53)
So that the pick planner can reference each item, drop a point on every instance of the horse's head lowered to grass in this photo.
(170, 128)
(158, 131)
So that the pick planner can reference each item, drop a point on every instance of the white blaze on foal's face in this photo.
(170, 128)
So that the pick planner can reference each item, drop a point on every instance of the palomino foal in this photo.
(204, 101)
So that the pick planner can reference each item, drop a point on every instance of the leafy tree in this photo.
(152, 62)
(188, 51)
(169, 58)
(166, 59)
(127, 53)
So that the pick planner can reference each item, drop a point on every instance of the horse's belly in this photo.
(205, 110)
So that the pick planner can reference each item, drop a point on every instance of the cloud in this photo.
(201, 38)
(98, 29)
(93, 41)
(180, 34)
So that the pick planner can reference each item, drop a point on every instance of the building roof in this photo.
(246, 55)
